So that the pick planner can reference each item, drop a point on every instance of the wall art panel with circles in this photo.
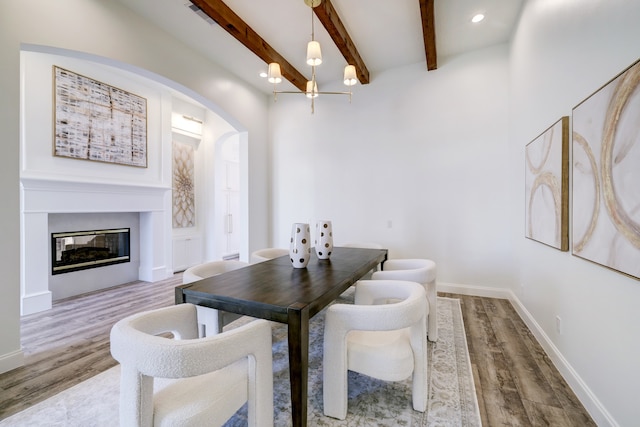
(606, 175)
(547, 186)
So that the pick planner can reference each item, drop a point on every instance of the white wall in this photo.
(10, 353)
(37, 135)
(439, 156)
(561, 53)
(107, 29)
(418, 162)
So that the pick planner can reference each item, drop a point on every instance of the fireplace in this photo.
(81, 250)
(54, 206)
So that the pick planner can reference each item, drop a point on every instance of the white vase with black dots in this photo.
(324, 239)
(300, 247)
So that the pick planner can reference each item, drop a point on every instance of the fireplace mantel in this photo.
(41, 196)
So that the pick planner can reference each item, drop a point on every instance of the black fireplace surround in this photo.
(80, 250)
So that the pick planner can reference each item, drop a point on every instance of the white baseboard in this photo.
(35, 303)
(155, 274)
(11, 361)
(590, 401)
(478, 291)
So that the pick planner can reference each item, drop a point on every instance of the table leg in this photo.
(298, 363)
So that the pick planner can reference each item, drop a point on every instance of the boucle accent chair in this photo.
(190, 381)
(416, 270)
(266, 254)
(384, 341)
(211, 320)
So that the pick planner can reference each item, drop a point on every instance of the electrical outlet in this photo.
(559, 325)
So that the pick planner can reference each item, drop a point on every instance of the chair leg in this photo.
(208, 321)
(420, 384)
(220, 321)
(335, 397)
(432, 295)
(335, 380)
(136, 398)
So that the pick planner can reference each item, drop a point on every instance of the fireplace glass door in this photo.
(80, 250)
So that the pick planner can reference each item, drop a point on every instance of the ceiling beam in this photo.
(329, 18)
(234, 25)
(429, 33)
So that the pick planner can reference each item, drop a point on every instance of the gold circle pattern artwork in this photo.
(629, 228)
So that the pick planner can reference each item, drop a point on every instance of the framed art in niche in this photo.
(183, 195)
(547, 186)
(97, 121)
(606, 175)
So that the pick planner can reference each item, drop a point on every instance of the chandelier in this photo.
(314, 58)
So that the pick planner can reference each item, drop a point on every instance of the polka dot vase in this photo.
(300, 248)
(324, 239)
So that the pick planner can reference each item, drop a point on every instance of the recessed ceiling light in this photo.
(263, 74)
(477, 18)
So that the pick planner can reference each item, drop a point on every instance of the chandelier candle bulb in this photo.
(350, 78)
(314, 54)
(274, 75)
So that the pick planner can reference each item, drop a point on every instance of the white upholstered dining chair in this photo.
(212, 321)
(384, 341)
(266, 254)
(416, 270)
(189, 381)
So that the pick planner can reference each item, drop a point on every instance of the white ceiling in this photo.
(387, 33)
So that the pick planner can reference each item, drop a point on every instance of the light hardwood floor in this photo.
(516, 383)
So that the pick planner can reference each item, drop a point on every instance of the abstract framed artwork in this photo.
(606, 175)
(99, 122)
(547, 186)
(183, 196)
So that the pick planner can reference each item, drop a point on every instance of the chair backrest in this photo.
(415, 270)
(135, 340)
(208, 269)
(265, 254)
(243, 354)
(408, 308)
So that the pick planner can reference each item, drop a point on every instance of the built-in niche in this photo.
(188, 184)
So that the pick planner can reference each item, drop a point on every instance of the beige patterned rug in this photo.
(452, 398)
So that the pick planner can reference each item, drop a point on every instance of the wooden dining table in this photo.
(276, 291)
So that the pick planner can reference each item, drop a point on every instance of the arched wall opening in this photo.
(83, 190)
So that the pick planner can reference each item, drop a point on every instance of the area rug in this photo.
(452, 399)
